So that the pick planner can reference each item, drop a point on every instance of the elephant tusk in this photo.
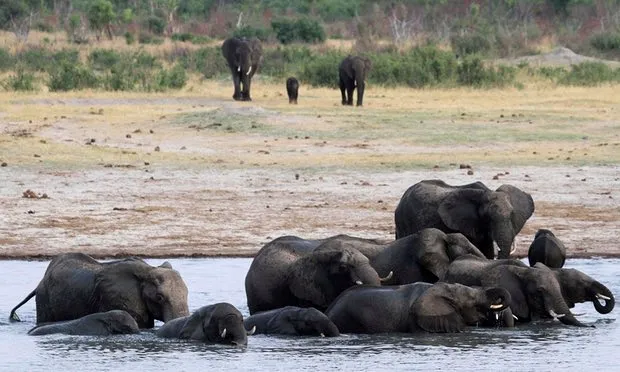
(251, 331)
(554, 315)
(249, 70)
(322, 334)
(223, 333)
(514, 247)
(496, 306)
(496, 316)
(358, 282)
(238, 68)
(603, 297)
(514, 316)
(388, 277)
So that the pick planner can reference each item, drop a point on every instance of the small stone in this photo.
(128, 136)
(495, 177)
(4, 164)
(470, 172)
(151, 131)
(296, 176)
(147, 163)
(37, 155)
(156, 148)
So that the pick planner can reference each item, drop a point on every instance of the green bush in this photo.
(302, 29)
(590, 74)
(175, 78)
(284, 61)
(70, 76)
(182, 37)
(156, 25)
(43, 60)
(322, 70)
(473, 72)
(21, 81)
(129, 38)
(207, 61)
(103, 59)
(146, 38)
(552, 73)
(6, 60)
(260, 33)
(606, 41)
(470, 44)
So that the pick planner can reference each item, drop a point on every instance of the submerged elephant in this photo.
(353, 71)
(305, 276)
(75, 285)
(439, 307)
(219, 323)
(113, 322)
(548, 249)
(292, 89)
(421, 257)
(244, 57)
(482, 215)
(294, 321)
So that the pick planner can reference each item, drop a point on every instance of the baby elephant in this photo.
(292, 320)
(548, 249)
(292, 89)
(220, 323)
(111, 322)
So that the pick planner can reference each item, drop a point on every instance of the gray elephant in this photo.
(578, 287)
(282, 275)
(113, 322)
(353, 71)
(484, 216)
(469, 269)
(294, 321)
(421, 257)
(75, 285)
(292, 89)
(219, 323)
(548, 249)
(440, 307)
(244, 57)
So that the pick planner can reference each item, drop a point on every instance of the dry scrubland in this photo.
(195, 173)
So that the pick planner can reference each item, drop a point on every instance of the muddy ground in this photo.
(184, 205)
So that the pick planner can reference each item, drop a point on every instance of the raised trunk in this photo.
(365, 274)
(601, 293)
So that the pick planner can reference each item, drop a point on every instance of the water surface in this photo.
(541, 346)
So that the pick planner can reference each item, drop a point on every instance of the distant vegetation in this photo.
(415, 43)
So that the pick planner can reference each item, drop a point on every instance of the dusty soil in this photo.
(191, 199)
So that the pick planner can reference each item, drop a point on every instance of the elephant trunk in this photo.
(365, 274)
(600, 292)
(172, 312)
(559, 309)
(504, 236)
(497, 299)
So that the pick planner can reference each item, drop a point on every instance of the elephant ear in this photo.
(522, 205)
(507, 277)
(459, 211)
(193, 329)
(433, 256)
(435, 313)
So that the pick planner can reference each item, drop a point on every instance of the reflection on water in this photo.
(543, 345)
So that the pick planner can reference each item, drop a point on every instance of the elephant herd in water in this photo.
(439, 275)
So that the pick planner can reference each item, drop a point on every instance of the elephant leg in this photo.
(245, 93)
(342, 92)
(237, 84)
(360, 92)
(350, 90)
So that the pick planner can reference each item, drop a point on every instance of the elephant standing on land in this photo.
(294, 321)
(353, 71)
(439, 307)
(75, 285)
(292, 89)
(482, 215)
(421, 257)
(113, 322)
(304, 276)
(243, 57)
(548, 249)
(220, 323)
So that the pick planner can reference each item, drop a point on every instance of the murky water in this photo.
(540, 347)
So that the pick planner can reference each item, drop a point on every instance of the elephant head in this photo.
(448, 307)
(484, 216)
(435, 250)
(310, 321)
(146, 292)
(219, 323)
(118, 322)
(577, 287)
(535, 292)
(318, 278)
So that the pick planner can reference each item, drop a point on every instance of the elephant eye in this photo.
(160, 298)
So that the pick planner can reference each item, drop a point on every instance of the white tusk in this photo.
(497, 306)
(514, 316)
(514, 247)
(553, 314)
(251, 331)
(603, 297)
(322, 334)
(249, 70)
(223, 333)
(358, 282)
(388, 277)
(496, 316)
(239, 69)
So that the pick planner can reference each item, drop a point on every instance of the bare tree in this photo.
(21, 25)
(403, 26)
